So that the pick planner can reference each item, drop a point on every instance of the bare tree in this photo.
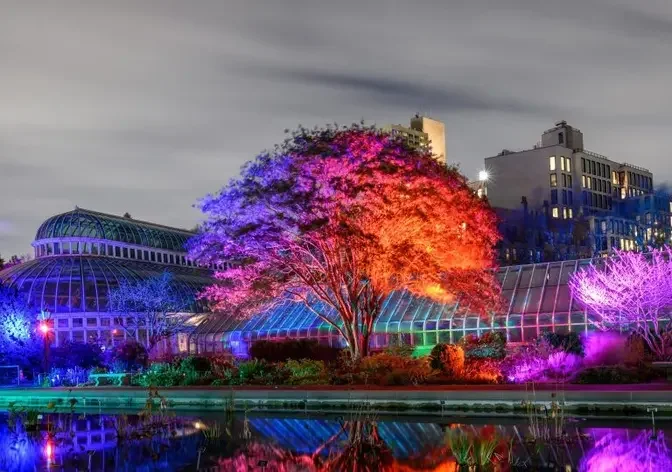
(154, 305)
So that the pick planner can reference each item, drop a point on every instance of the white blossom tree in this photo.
(155, 306)
(631, 291)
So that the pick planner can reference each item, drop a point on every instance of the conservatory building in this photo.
(80, 255)
(536, 299)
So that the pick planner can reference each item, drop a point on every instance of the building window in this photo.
(125, 253)
(614, 178)
(583, 164)
(77, 322)
(568, 165)
(555, 212)
(571, 213)
(554, 180)
(562, 163)
(551, 163)
(146, 255)
(153, 254)
(554, 197)
(117, 251)
(583, 181)
(63, 322)
(91, 322)
(561, 138)
(565, 214)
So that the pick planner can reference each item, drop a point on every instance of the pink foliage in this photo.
(604, 348)
(562, 364)
(617, 453)
(630, 291)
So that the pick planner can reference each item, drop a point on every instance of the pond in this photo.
(156, 439)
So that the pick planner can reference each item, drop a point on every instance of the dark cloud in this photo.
(146, 106)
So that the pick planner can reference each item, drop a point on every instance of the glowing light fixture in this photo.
(44, 328)
(483, 175)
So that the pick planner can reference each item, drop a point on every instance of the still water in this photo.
(355, 442)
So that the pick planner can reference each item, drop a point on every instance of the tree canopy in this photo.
(338, 218)
(630, 290)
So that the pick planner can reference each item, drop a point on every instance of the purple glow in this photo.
(629, 290)
(562, 364)
(644, 453)
(604, 348)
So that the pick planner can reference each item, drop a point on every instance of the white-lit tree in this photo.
(631, 291)
(154, 305)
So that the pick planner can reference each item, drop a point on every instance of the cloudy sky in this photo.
(144, 106)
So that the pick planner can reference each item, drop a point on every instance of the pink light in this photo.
(49, 450)
(44, 328)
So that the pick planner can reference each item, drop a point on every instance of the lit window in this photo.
(569, 165)
(583, 182)
(555, 213)
(554, 180)
(551, 163)
(562, 163)
(564, 213)
(614, 178)
(571, 213)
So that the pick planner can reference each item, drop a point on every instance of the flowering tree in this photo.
(153, 305)
(337, 219)
(631, 290)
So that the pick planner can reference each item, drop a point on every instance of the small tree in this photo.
(19, 340)
(338, 219)
(630, 291)
(154, 305)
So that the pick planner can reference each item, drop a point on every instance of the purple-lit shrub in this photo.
(604, 348)
(563, 365)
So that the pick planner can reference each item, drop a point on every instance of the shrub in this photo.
(604, 348)
(492, 345)
(256, 372)
(84, 355)
(568, 342)
(66, 377)
(130, 355)
(296, 349)
(563, 365)
(161, 374)
(525, 364)
(398, 347)
(306, 372)
(448, 358)
(617, 375)
(483, 371)
(636, 351)
(387, 369)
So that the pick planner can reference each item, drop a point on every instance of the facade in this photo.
(424, 132)
(80, 255)
(569, 189)
(537, 299)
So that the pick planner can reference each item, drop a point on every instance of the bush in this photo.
(617, 375)
(568, 342)
(83, 355)
(448, 358)
(296, 349)
(397, 347)
(387, 369)
(563, 365)
(306, 372)
(258, 372)
(483, 371)
(604, 348)
(161, 374)
(525, 364)
(492, 345)
(129, 356)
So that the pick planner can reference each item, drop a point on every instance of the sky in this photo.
(146, 106)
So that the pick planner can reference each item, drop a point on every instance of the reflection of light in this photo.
(199, 425)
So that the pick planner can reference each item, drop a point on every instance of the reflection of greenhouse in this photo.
(80, 255)
(536, 299)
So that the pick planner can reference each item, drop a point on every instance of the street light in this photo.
(44, 328)
(483, 176)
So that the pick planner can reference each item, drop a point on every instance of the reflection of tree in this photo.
(364, 450)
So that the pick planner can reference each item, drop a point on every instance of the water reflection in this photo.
(160, 440)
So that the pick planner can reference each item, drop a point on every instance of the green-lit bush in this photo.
(306, 372)
(256, 372)
(492, 345)
(387, 369)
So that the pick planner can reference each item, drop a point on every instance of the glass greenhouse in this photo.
(80, 255)
(537, 298)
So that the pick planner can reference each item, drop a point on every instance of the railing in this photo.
(600, 156)
(641, 169)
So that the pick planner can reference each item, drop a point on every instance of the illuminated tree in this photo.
(19, 340)
(153, 308)
(337, 219)
(633, 291)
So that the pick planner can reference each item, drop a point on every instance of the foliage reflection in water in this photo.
(157, 439)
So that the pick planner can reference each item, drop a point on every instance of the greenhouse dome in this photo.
(82, 254)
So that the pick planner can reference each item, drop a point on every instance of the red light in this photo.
(49, 450)
(44, 328)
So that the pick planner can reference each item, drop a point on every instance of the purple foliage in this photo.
(641, 453)
(562, 364)
(604, 348)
